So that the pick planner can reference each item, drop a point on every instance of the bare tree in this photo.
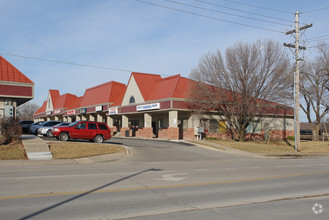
(244, 85)
(26, 110)
(314, 89)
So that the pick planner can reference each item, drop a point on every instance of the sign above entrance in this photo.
(71, 112)
(113, 111)
(57, 112)
(148, 107)
(99, 108)
(83, 110)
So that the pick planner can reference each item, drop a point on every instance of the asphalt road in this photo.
(169, 180)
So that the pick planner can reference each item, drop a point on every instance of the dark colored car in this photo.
(25, 124)
(32, 125)
(89, 130)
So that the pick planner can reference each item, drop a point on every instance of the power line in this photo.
(255, 6)
(244, 11)
(64, 62)
(318, 37)
(205, 16)
(321, 44)
(241, 16)
(318, 9)
(322, 39)
(74, 64)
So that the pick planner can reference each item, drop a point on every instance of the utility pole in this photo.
(296, 76)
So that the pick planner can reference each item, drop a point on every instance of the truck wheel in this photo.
(98, 139)
(64, 136)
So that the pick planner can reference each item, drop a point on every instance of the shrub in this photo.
(10, 130)
(291, 138)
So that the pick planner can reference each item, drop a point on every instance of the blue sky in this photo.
(133, 36)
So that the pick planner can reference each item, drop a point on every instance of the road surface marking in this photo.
(171, 177)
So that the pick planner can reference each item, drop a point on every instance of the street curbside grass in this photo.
(277, 148)
(74, 150)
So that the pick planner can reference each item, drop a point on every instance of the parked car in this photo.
(96, 131)
(62, 124)
(25, 124)
(49, 124)
(58, 125)
(45, 130)
(32, 125)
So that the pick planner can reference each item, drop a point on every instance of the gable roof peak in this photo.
(171, 77)
(10, 73)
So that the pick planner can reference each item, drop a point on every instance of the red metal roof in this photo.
(170, 87)
(145, 82)
(110, 92)
(163, 88)
(42, 108)
(75, 103)
(64, 101)
(10, 73)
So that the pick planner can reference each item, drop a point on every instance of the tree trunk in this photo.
(242, 135)
(316, 130)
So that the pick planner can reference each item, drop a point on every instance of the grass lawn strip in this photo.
(277, 147)
(12, 151)
(73, 150)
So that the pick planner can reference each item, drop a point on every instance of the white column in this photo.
(110, 121)
(147, 120)
(99, 118)
(173, 119)
(91, 117)
(125, 121)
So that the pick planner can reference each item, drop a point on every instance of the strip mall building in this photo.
(151, 107)
(15, 89)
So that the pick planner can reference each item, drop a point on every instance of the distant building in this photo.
(152, 106)
(15, 89)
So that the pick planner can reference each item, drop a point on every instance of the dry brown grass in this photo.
(72, 150)
(276, 147)
(12, 151)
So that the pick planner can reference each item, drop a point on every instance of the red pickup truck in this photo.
(89, 130)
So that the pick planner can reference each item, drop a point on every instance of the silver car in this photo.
(45, 128)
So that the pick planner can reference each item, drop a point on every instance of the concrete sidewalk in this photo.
(36, 148)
